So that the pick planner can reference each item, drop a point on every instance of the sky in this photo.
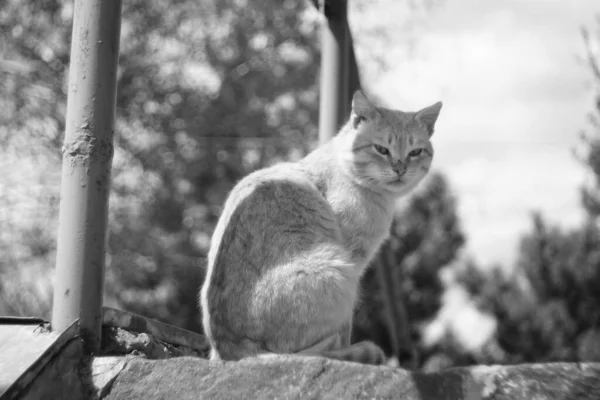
(515, 93)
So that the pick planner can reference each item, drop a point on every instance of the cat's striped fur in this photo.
(294, 239)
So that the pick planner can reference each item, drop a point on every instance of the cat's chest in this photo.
(364, 223)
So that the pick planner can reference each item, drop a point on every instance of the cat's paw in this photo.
(371, 353)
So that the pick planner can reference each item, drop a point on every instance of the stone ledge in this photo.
(137, 365)
(293, 377)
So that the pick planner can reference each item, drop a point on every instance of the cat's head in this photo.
(388, 149)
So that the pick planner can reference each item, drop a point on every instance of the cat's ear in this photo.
(428, 116)
(362, 108)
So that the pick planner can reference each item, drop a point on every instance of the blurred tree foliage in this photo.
(548, 308)
(591, 193)
(34, 43)
(208, 91)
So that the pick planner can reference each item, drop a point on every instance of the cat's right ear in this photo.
(428, 116)
(362, 108)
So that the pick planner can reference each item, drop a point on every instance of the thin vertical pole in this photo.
(334, 68)
(87, 158)
(398, 323)
(353, 74)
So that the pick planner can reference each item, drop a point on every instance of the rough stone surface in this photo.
(129, 373)
(104, 372)
(290, 377)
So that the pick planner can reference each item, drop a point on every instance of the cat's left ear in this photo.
(428, 116)
(362, 108)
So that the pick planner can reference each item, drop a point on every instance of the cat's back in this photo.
(285, 185)
(270, 217)
(270, 180)
(267, 211)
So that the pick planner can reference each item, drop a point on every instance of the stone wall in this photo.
(294, 377)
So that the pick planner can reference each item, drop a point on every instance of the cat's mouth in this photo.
(398, 181)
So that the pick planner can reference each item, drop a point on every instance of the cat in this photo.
(294, 239)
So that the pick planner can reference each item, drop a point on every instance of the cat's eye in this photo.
(415, 153)
(381, 150)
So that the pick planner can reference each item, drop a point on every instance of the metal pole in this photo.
(87, 158)
(353, 74)
(334, 68)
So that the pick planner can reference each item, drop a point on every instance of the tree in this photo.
(548, 308)
(549, 304)
(591, 194)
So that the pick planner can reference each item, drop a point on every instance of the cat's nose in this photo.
(399, 167)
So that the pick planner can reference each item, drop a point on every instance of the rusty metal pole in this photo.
(335, 45)
(87, 158)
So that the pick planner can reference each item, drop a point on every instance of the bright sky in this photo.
(515, 99)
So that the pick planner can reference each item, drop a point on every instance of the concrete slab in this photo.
(20, 346)
(26, 345)
(64, 377)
